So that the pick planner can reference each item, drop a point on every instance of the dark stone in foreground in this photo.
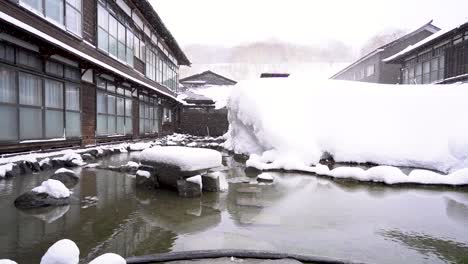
(88, 157)
(46, 166)
(15, 171)
(168, 175)
(25, 167)
(32, 199)
(147, 183)
(210, 184)
(67, 178)
(57, 163)
(252, 172)
(188, 189)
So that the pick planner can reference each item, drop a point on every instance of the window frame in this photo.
(60, 24)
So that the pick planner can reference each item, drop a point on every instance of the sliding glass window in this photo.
(114, 110)
(114, 37)
(66, 14)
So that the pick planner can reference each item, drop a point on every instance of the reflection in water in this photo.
(457, 211)
(48, 214)
(446, 250)
(298, 213)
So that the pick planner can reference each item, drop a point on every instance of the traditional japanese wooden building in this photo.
(78, 73)
(200, 116)
(206, 78)
(440, 58)
(371, 68)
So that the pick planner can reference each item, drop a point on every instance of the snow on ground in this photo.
(63, 170)
(109, 258)
(132, 164)
(265, 176)
(63, 251)
(143, 173)
(5, 168)
(196, 179)
(292, 123)
(188, 159)
(7, 261)
(73, 156)
(53, 188)
(139, 146)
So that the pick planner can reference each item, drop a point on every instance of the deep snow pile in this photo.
(293, 123)
(187, 159)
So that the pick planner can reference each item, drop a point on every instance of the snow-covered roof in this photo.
(81, 54)
(195, 82)
(428, 27)
(423, 42)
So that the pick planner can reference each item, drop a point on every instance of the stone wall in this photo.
(203, 121)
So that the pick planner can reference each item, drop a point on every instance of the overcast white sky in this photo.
(230, 22)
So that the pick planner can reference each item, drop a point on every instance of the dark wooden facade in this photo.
(25, 31)
(442, 58)
(371, 67)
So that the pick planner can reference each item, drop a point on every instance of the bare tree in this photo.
(380, 39)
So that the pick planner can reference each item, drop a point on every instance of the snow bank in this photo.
(63, 170)
(7, 261)
(265, 176)
(132, 164)
(143, 173)
(63, 251)
(109, 258)
(196, 179)
(53, 188)
(187, 159)
(73, 156)
(5, 168)
(422, 126)
(139, 146)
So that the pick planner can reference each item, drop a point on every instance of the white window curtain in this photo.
(54, 94)
(101, 103)
(7, 86)
(30, 89)
(72, 98)
(120, 106)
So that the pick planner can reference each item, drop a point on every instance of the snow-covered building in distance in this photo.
(206, 96)
(84, 72)
(440, 58)
(206, 78)
(371, 68)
